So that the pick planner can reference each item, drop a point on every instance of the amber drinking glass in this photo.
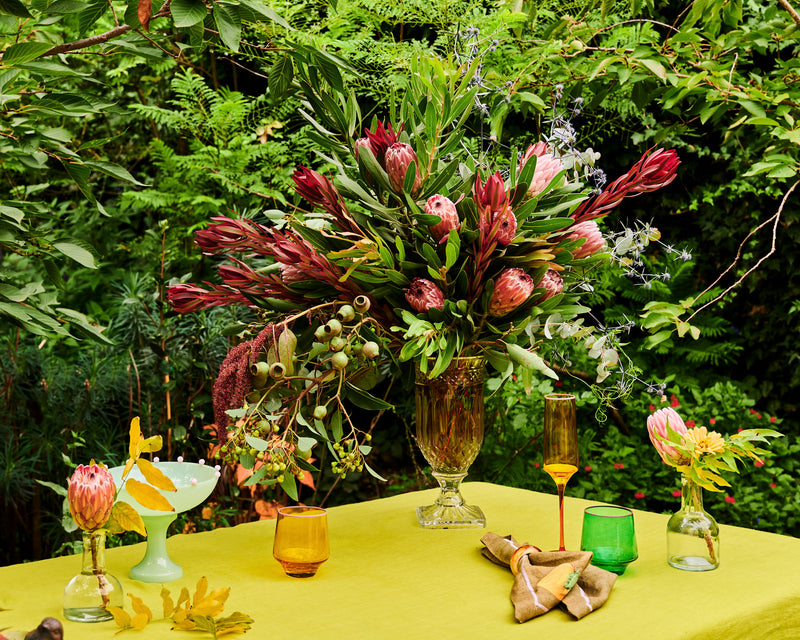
(560, 447)
(301, 540)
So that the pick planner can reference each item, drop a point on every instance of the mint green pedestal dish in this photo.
(194, 483)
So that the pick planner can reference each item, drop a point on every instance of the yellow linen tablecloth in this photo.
(388, 578)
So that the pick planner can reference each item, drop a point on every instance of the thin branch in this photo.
(88, 42)
(775, 219)
(795, 16)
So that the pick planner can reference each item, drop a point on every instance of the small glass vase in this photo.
(450, 435)
(692, 533)
(89, 594)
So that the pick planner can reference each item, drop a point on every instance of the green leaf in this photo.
(280, 77)
(14, 8)
(265, 12)
(90, 15)
(365, 400)
(530, 360)
(229, 24)
(62, 491)
(24, 52)
(187, 13)
(655, 67)
(78, 253)
(113, 170)
(257, 443)
(289, 485)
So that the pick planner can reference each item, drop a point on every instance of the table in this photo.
(387, 578)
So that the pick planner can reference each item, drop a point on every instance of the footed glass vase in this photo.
(89, 594)
(450, 435)
(692, 533)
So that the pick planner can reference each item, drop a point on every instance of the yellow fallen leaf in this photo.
(147, 496)
(154, 475)
(184, 597)
(169, 606)
(121, 617)
(200, 591)
(139, 621)
(140, 607)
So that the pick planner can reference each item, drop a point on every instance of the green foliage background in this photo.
(112, 154)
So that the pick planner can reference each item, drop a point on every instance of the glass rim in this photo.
(560, 396)
(622, 512)
(305, 512)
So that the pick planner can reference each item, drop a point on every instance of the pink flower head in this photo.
(398, 158)
(91, 496)
(443, 207)
(511, 289)
(547, 168)
(552, 283)
(657, 425)
(690, 424)
(491, 194)
(590, 233)
(362, 143)
(423, 295)
(320, 191)
(759, 463)
(730, 499)
(677, 493)
(291, 274)
(639, 495)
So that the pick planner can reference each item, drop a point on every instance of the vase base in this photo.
(464, 516)
(88, 614)
(691, 563)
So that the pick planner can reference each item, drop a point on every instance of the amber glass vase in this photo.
(450, 435)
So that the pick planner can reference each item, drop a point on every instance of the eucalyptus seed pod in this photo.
(361, 304)
(337, 343)
(277, 370)
(346, 313)
(333, 327)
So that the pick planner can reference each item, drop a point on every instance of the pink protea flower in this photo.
(398, 158)
(491, 194)
(320, 191)
(657, 425)
(505, 223)
(291, 274)
(592, 235)
(91, 496)
(511, 289)
(443, 207)
(547, 168)
(552, 283)
(423, 295)
(362, 142)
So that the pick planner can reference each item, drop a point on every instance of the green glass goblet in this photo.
(609, 534)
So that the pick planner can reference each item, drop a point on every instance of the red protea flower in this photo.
(188, 298)
(229, 234)
(552, 283)
(381, 139)
(511, 289)
(505, 223)
(653, 171)
(443, 207)
(319, 190)
(398, 158)
(291, 274)
(490, 194)
(590, 232)
(423, 295)
(91, 496)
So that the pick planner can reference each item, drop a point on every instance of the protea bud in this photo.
(91, 496)
(362, 142)
(291, 274)
(491, 194)
(511, 289)
(506, 224)
(398, 157)
(423, 295)
(658, 425)
(547, 168)
(443, 207)
(590, 232)
(552, 283)
(381, 139)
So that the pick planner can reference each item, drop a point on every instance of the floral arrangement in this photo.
(701, 454)
(416, 250)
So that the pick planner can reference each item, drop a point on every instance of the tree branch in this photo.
(775, 219)
(87, 42)
(795, 16)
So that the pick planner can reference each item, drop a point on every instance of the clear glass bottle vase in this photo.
(89, 594)
(692, 533)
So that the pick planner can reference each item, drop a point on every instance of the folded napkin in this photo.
(543, 579)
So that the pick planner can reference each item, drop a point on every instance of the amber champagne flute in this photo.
(560, 447)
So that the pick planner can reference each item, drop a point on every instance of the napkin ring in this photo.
(517, 556)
